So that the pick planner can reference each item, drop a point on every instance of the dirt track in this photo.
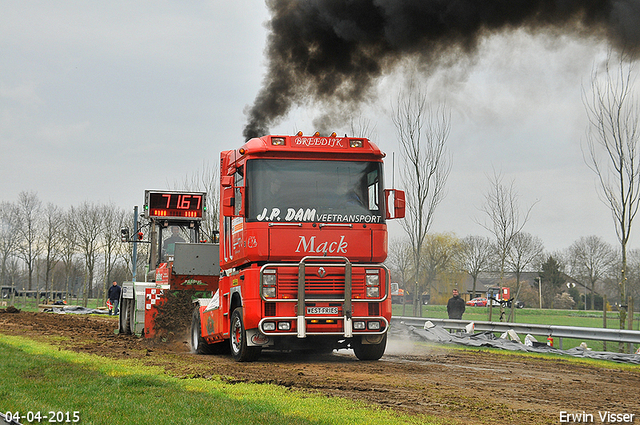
(458, 386)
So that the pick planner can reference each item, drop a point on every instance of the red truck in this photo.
(302, 239)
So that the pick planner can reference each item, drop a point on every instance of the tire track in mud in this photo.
(460, 386)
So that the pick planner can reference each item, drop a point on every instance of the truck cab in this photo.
(302, 238)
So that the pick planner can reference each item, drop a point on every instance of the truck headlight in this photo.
(373, 283)
(269, 326)
(269, 279)
(374, 326)
(269, 291)
(284, 326)
(373, 278)
(359, 326)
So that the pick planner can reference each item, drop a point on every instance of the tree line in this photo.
(611, 151)
(76, 252)
(590, 263)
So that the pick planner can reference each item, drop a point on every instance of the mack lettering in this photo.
(335, 247)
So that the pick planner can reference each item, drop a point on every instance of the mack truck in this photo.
(298, 261)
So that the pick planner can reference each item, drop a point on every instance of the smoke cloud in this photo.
(331, 52)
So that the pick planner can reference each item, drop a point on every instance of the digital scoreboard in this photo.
(174, 205)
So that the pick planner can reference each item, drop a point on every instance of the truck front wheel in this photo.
(369, 351)
(240, 351)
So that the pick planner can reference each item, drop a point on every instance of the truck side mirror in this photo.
(395, 203)
(232, 201)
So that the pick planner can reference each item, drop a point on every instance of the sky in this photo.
(100, 101)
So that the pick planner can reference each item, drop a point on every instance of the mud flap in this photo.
(257, 339)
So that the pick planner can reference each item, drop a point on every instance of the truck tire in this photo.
(125, 313)
(369, 351)
(238, 340)
(198, 344)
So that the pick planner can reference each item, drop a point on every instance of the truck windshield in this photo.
(314, 191)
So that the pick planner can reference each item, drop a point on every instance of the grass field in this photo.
(98, 390)
(104, 391)
(592, 319)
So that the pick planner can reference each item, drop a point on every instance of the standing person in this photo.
(114, 297)
(455, 306)
(169, 244)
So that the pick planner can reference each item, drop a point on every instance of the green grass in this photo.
(38, 377)
(590, 318)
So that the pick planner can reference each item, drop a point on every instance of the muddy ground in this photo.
(459, 386)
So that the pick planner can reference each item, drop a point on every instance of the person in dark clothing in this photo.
(169, 244)
(114, 297)
(455, 306)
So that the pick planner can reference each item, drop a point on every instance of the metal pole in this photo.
(540, 290)
(604, 319)
(134, 260)
(630, 319)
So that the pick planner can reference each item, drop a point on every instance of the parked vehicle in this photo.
(481, 302)
(477, 302)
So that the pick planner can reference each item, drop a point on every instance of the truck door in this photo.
(234, 226)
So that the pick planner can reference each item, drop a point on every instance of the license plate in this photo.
(322, 310)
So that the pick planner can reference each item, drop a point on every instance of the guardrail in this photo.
(576, 332)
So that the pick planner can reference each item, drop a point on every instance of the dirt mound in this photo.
(476, 387)
(10, 309)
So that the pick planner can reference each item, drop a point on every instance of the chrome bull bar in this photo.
(346, 306)
(301, 323)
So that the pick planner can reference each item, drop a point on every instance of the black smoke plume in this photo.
(332, 51)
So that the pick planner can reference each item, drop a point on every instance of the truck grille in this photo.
(331, 286)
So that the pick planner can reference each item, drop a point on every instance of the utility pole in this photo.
(540, 290)
(134, 260)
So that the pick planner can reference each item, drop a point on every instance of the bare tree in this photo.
(205, 180)
(88, 224)
(362, 127)
(474, 256)
(29, 247)
(506, 219)
(51, 236)
(591, 259)
(526, 250)
(422, 132)
(612, 140)
(68, 248)
(8, 236)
